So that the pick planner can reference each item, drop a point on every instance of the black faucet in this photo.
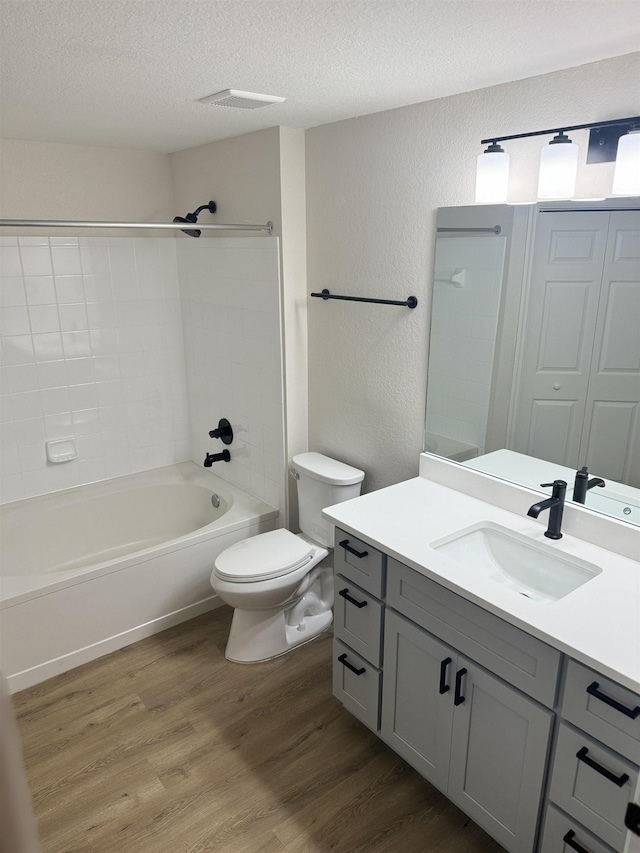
(555, 505)
(582, 485)
(210, 458)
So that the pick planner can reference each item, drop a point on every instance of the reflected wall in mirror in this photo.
(534, 356)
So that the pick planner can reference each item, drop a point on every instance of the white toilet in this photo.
(281, 596)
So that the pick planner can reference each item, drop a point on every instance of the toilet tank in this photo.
(323, 482)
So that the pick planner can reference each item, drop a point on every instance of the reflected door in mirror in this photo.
(579, 382)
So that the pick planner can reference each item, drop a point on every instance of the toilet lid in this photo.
(268, 555)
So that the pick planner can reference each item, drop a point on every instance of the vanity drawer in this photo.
(604, 709)
(520, 659)
(592, 784)
(563, 834)
(358, 620)
(356, 683)
(359, 562)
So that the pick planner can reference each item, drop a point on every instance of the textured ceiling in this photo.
(129, 72)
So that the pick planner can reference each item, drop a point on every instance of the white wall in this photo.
(242, 175)
(294, 298)
(373, 186)
(46, 180)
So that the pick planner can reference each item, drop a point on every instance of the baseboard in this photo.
(28, 677)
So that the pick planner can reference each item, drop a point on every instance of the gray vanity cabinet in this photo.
(478, 740)
(470, 701)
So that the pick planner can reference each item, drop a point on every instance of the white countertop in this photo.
(598, 624)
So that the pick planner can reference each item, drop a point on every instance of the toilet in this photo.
(280, 584)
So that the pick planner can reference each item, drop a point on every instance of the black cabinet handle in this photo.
(343, 660)
(359, 554)
(593, 690)
(345, 594)
(458, 698)
(581, 755)
(444, 687)
(568, 839)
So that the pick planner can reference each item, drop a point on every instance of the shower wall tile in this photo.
(230, 291)
(91, 348)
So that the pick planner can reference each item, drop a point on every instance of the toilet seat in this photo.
(268, 555)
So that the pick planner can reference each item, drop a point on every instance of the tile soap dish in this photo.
(61, 450)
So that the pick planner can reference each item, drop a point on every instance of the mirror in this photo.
(534, 355)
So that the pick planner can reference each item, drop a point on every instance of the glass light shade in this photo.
(626, 177)
(558, 170)
(492, 177)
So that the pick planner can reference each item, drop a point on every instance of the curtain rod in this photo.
(181, 226)
(495, 230)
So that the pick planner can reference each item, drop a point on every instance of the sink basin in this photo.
(516, 562)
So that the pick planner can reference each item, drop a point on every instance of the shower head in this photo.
(191, 232)
(193, 217)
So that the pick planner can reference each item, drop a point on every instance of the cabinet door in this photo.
(498, 756)
(416, 698)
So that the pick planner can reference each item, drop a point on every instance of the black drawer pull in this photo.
(444, 687)
(359, 554)
(345, 594)
(593, 690)
(343, 660)
(458, 699)
(581, 755)
(568, 839)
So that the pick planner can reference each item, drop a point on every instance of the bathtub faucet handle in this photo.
(210, 458)
(224, 431)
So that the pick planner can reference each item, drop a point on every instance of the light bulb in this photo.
(626, 177)
(558, 168)
(492, 175)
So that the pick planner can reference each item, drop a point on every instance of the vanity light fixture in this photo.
(559, 160)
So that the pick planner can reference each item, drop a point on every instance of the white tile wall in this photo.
(91, 347)
(231, 310)
(463, 336)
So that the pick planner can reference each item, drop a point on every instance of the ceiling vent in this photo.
(240, 100)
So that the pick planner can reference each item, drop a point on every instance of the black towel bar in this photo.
(411, 302)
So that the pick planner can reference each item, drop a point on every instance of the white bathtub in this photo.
(89, 570)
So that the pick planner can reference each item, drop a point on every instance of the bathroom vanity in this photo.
(516, 695)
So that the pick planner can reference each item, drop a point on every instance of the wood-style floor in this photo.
(166, 747)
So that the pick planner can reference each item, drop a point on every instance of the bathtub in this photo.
(88, 570)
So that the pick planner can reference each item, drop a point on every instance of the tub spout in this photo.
(210, 458)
